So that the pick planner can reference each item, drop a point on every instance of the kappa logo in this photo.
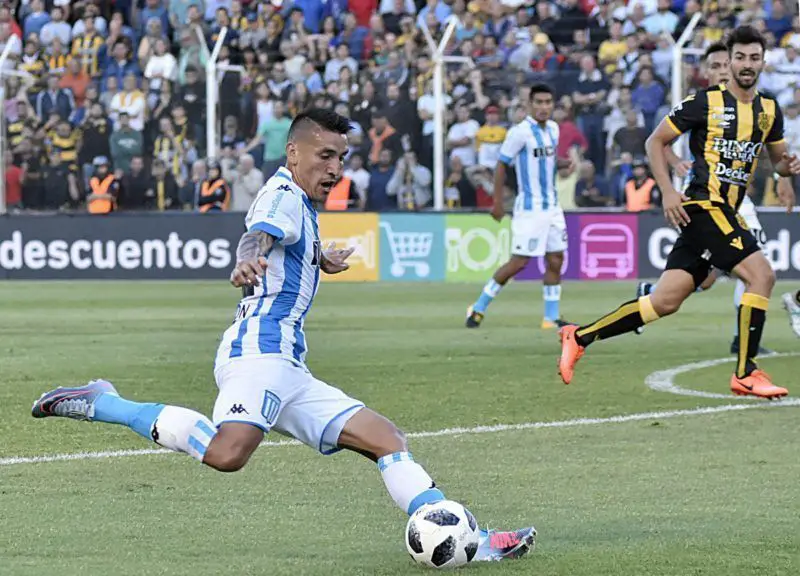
(238, 409)
(737, 243)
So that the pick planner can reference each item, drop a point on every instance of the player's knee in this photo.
(390, 441)
(555, 262)
(666, 306)
(518, 264)
(227, 461)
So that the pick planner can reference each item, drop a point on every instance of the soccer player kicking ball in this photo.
(728, 126)
(716, 67)
(260, 366)
(538, 227)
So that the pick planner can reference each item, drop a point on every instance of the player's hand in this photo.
(786, 196)
(673, 210)
(498, 212)
(248, 272)
(334, 259)
(792, 162)
(682, 168)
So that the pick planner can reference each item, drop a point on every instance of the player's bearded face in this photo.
(747, 61)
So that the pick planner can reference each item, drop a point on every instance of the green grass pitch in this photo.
(713, 494)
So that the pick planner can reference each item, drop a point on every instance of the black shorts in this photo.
(714, 237)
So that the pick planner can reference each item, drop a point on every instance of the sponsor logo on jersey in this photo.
(737, 150)
(736, 176)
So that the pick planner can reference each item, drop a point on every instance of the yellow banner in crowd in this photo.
(356, 230)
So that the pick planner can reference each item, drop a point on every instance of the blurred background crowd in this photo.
(105, 100)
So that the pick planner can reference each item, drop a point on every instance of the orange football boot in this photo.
(571, 352)
(758, 383)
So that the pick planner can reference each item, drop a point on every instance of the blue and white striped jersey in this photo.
(532, 147)
(270, 322)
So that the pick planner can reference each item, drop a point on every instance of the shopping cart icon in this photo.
(409, 249)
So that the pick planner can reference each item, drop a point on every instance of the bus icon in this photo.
(607, 249)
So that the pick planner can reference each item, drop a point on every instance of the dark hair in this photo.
(713, 49)
(746, 35)
(326, 119)
(541, 89)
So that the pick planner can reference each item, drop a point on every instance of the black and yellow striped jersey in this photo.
(14, 130)
(35, 66)
(65, 147)
(57, 62)
(87, 48)
(726, 138)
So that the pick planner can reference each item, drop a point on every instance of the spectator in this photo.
(629, 63)
(120, 65)
(153, 9)
(248, 180)
(192, 56)
(395, 71)
(489, 138)
(438, 8)
(343, 59)
(591, 190)
(295, 30)
(189, 191)
(663, 21)
(641, 192)
(380, 175)
(98, 22)
(89, 48)
(461, 137)
(570, 137)
(631, 137)
(56, 28)
(613, 49)
(279, 85)
(382, 136)
(648, 97)
(134, 186)
(14, 180)
(162, 192)
(95, 139)
(34, 64)
(147, 45)
(125, 143)
(103, 188)
(356, 172)
(36, 19)
(353, 35)
(160, 66)
(411, 183)
(185, 131)
(76, 81)
(566, 183)
(589, 95)
(215, 195)
(55, 99)
(131, 101)
(459, 191)
(273, 135)
(779, 23)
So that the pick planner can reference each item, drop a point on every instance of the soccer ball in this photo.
(442, 535)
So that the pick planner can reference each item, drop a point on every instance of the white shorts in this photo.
(750, 216)
(272, 392)
(538, 233)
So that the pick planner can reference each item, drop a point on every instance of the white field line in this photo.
(664, 380)
(445, 432)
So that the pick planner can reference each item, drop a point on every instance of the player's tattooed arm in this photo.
(251, 261)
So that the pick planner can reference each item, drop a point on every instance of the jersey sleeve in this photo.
(776, 133)
(514, 142)
(278, 212)
(688, 114)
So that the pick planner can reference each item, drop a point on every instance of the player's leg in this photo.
(173, 427)
(685, 271)
(791, 303)
(738, 292)
(492, 288)
(328, 420)
(527, 240)
(554, 259)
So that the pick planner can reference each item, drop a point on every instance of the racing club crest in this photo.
(763, 121)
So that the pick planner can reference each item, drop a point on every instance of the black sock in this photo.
(626, 318)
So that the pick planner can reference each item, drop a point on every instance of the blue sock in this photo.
(137, 416)
(490, 291)
(552, 302)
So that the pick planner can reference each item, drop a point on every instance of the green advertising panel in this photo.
(475, 245)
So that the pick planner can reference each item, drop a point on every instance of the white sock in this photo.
(407, 482)
(183, 430)
(738, 292)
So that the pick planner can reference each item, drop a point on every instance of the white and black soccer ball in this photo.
(442, 535)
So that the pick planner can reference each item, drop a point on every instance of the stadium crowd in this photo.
(105, 100)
